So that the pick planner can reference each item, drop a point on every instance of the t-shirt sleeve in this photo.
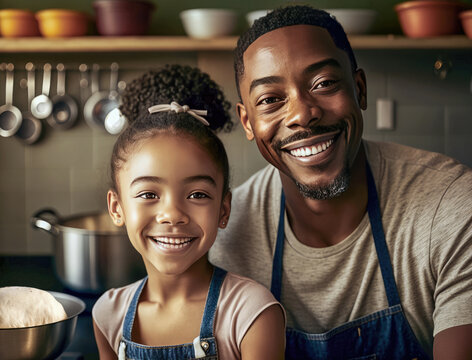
(451, 259)
(241, 301)
(109, 311)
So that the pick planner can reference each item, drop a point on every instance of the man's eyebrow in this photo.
(278, 79)
(264, 81)
(319, 65)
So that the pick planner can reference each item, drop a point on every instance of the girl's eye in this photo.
(198, 195)
(148, 196)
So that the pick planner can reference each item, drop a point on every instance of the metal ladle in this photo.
(10, 115)
(64, 107)
(41, 105)
(30, 129)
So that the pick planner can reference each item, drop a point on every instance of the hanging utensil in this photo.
(101, 103)
(31, 127)
(64, 107)
(115, 121)
(41, 105)
(10, 115)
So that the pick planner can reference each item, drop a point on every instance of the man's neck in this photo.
(322, 223)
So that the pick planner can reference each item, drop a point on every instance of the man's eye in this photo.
(198, 195)
(148, 196)
(324, 84)
(269, 100)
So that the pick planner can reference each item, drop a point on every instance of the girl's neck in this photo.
(191, 285)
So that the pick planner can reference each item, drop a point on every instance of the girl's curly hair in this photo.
(183, 84)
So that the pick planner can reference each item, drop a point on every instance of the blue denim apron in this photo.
(384, 334)
(203, 346)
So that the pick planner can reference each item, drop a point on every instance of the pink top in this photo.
(241, 301)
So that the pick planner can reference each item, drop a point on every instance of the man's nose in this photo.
(171, 213)
(302, 109)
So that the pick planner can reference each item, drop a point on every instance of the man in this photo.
(367, 245)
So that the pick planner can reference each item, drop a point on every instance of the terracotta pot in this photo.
(122, 17)
(466, 18)
(429, 18)
(62, 23)
(18, 23)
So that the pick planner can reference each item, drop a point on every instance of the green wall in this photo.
(165, 20)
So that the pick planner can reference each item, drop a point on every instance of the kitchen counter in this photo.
(38, 272)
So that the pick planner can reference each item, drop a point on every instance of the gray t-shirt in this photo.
(426, 206)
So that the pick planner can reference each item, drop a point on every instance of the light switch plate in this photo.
(385, 114)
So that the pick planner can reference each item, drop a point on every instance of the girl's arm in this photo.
(104, 349)
(265, 339)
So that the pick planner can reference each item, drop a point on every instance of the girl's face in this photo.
(171, 201)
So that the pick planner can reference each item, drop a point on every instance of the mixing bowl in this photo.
(429, 18)
(44, 341)
(208, 23)
(62, 23)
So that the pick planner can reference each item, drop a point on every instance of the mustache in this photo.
(305, 134)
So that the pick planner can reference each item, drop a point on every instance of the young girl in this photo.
(170, 189)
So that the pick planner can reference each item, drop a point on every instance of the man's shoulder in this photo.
(259, 184)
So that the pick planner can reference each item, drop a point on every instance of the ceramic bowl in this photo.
(466, 19)
(62, 23)
(355, 21)
(208, 23)
(18, 23)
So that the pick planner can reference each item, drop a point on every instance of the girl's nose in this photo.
(171, 214)
(302, 110)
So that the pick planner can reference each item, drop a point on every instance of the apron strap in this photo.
(375, 217)
(276, 283)
(206, 329)
(131, 312)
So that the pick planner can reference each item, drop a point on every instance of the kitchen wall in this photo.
(68, 170)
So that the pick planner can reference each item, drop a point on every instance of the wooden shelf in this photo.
(183, 43)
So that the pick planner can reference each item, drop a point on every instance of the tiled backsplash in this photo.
(68, 170)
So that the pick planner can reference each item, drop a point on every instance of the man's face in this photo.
(302, 104)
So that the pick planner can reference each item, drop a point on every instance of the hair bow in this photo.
(173, 106)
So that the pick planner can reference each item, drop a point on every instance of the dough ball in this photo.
(25, 306)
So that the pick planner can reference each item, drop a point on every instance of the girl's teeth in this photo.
(307, 151)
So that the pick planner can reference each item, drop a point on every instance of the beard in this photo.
(325, 192)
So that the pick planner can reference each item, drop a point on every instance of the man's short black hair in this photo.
(288, 16)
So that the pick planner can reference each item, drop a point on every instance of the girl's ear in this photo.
(114, 208)
(225, 211)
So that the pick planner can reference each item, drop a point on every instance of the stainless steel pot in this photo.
(91, 253)
(43, 341)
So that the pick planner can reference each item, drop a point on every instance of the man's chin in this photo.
(325, 192)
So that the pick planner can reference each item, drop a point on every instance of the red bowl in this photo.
(429, 18)
(466, 18)
(122, 17)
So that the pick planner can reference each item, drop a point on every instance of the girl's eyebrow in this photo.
(159, 180)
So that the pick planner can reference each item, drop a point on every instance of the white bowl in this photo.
(254, 15)
(208, 23)
(355, 21)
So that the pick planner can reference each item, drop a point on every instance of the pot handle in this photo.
(39, 222)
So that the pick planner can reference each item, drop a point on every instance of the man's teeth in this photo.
(172, 242)
(311, 150)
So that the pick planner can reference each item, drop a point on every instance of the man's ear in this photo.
(361, 88)
(114, 208)
(225, 210)
(242, 113)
